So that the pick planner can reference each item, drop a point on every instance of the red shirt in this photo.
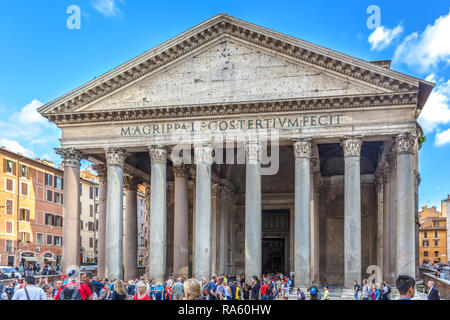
(146, 297)
(83, 288)
(264, 289)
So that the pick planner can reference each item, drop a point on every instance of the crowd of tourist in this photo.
(234, 287)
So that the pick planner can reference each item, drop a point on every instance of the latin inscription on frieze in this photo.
(322, 120)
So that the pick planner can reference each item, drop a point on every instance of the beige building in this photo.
(89, 217)
(262, 153)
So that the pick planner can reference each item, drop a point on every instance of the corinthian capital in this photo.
(352, 146)
(158, 155)
(102, 171)
(71, 156)
(405, 143)
(130, 183)
(203, 154)
(302, 148)
(115, 157)
(252, 151)
(180, 170)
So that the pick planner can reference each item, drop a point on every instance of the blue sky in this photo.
(41, 59)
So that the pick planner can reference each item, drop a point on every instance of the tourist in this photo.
(131, 288)
(233, 289)
(313, 291)
(255, 288)
(365, 290)
(105, 291)
(29, 291)
(264, 289)
(406, 287)
(433, 293)
(356, 290)
(168, 292)
(226, 290)
(219, 288)
(178, 289)
(141, 292)
(212, 288)
(119, 291)
(158, 291)
(192, 289)
(48, 290)
(74, 290)
(246, 292)
(300, 294)
(326, 293)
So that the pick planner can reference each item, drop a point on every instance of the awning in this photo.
(49, 259)
(29, 258)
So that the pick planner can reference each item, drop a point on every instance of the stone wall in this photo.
(442, 285)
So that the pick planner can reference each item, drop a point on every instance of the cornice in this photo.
(238, 108)
(212, 29)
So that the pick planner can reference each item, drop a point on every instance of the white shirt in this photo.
(35, 293)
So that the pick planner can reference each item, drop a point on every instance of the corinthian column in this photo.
(405, 147)
(253, 210)
(72, 207)
(302, 240)
(181, 221)
(101, 173)
(203, 212)
(352, 211)
(115, 159)
(158, 213)
(130, 248)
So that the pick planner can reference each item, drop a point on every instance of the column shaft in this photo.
(71, 227)
(253, 211)
(130, 248)
(203, 212)
(114, 218)
(158, 213)
(405, 206)
(302, 240)
(101, 172)
(352, 211)
(181, 222)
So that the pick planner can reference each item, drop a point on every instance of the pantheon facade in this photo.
(260, 152)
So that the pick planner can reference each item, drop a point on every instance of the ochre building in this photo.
(31, 211)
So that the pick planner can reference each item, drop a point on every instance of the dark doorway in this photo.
(273, 255)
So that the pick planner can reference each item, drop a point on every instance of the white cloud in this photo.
(29, 115)
(382, 37)
(442, 138)
(437, 109)
(108, 8)
(427, 49)
(14, 146)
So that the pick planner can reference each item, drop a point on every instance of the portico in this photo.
(230, 120)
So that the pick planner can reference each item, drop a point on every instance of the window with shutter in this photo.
(9, 228)
(9, 185)
(9, 207)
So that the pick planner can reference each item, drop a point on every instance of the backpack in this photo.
(70, 293)
(302, 295)
(313, 291)
(389, 290)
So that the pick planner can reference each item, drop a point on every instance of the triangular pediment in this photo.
(227, 60)
(231, 71)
